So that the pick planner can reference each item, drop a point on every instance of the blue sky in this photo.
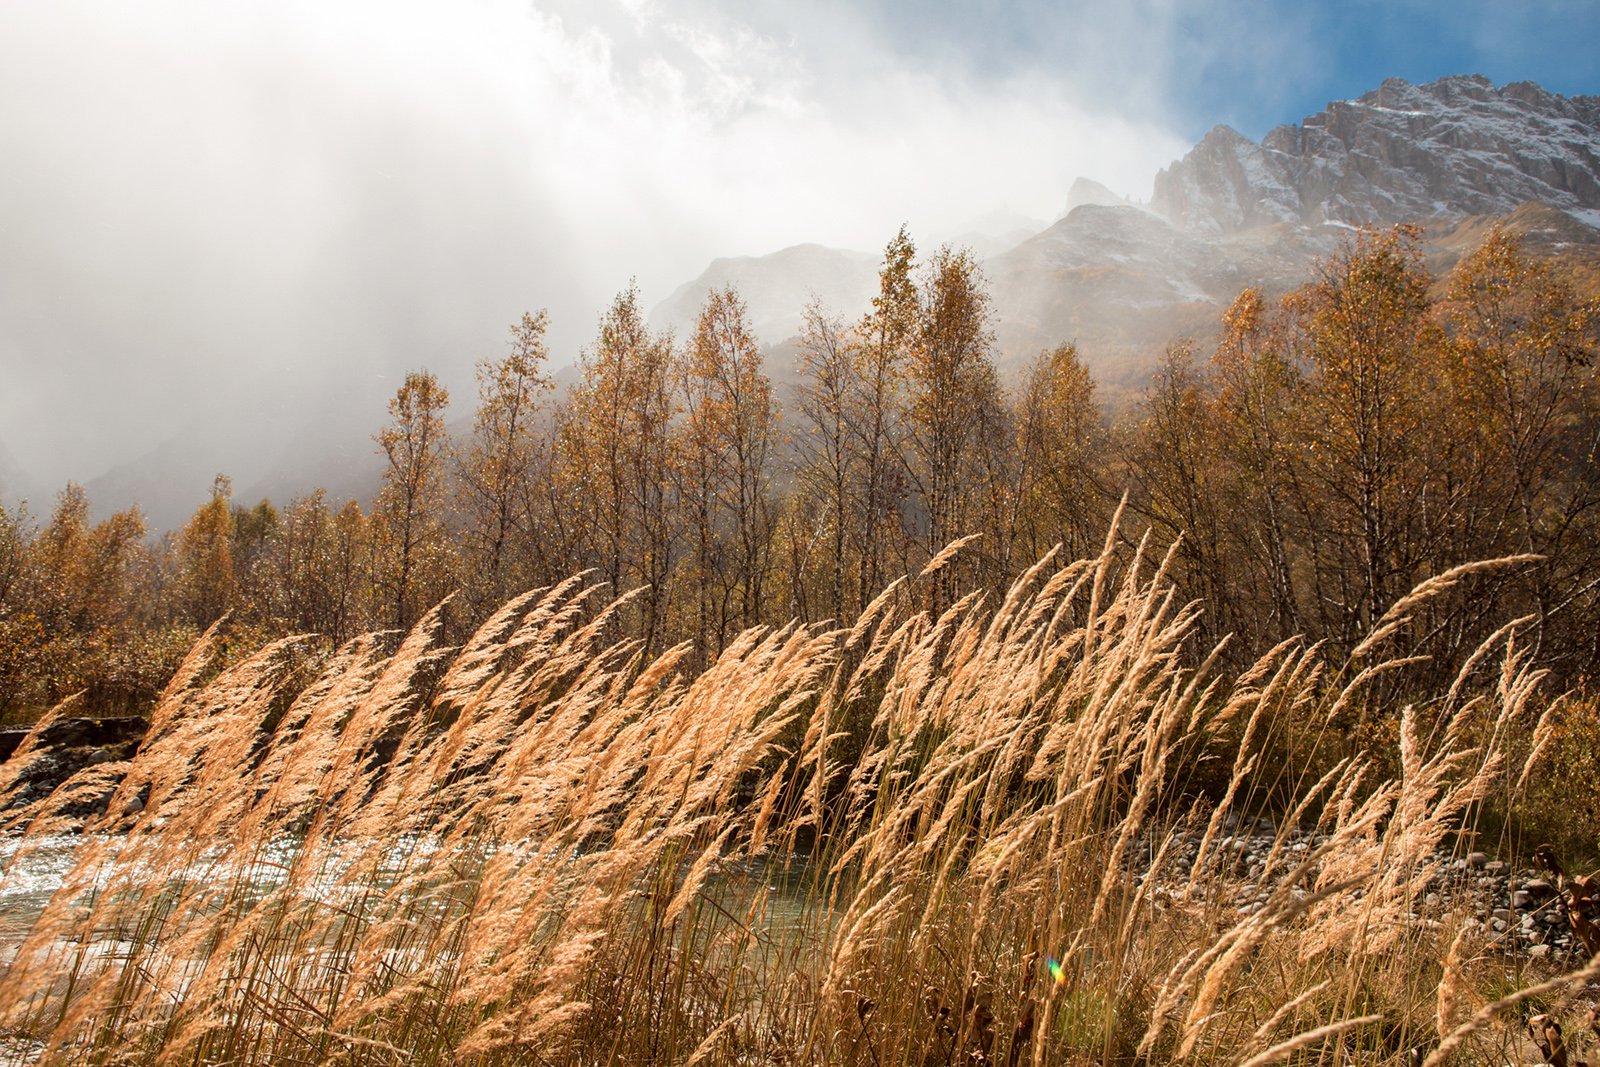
(209, 203)
(1360, 43)
(1252, 64)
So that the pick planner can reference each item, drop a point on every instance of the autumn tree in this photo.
(322, 580)
(86, 569)
(1060, 439)
(1172, 463)
(21, 632)
(725, 449)
(953, 396)
(556, 513)
(1370, 354)
(412, 569)
(1358, 436)
(206, 578)
(84, 594)
(257, 534)
(1521, 373)
(16, 538)
(501, 460)
(1259, 390)
(825, 503)
(883, 351)
(615, 455)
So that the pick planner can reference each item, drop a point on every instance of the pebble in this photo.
(1512, 907)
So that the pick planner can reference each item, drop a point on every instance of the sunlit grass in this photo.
(1005, 834)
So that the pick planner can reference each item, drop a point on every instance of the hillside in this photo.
(1123, 279)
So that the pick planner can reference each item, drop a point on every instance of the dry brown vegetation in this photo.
(1002, 834)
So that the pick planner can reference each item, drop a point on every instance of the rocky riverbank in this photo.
(1513, 907)
(47, 755)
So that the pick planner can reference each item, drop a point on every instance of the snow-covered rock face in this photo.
(1455, 147)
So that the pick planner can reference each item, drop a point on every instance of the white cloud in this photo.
(209, 200)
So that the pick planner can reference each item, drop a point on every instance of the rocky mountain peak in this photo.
(1455, 147)
(1087, 191)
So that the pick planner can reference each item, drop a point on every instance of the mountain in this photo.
(317, 445)
(1452, 148)
(776, 288)
(1544, 231)
(1122, 279)
(15, 486)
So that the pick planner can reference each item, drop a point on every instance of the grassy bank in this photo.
(1003, 835)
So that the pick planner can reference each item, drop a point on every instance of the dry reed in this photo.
(854, 846)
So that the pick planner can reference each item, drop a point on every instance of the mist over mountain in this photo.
(839, 278)
(1123, 278)
(1119, 276)
(14, 483)
(216, 216)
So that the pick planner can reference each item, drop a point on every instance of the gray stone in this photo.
(1455, 146)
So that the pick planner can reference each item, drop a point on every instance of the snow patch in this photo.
(1391, 110)
(1587, 215)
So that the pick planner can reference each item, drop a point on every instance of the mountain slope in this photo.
(1122, 279)
(1452, 148)
(776, 288)
(15, 486)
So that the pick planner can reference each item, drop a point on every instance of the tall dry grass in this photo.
(1007, 834)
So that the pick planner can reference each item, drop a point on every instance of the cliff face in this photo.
(1456, 156)
(1449, 149)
